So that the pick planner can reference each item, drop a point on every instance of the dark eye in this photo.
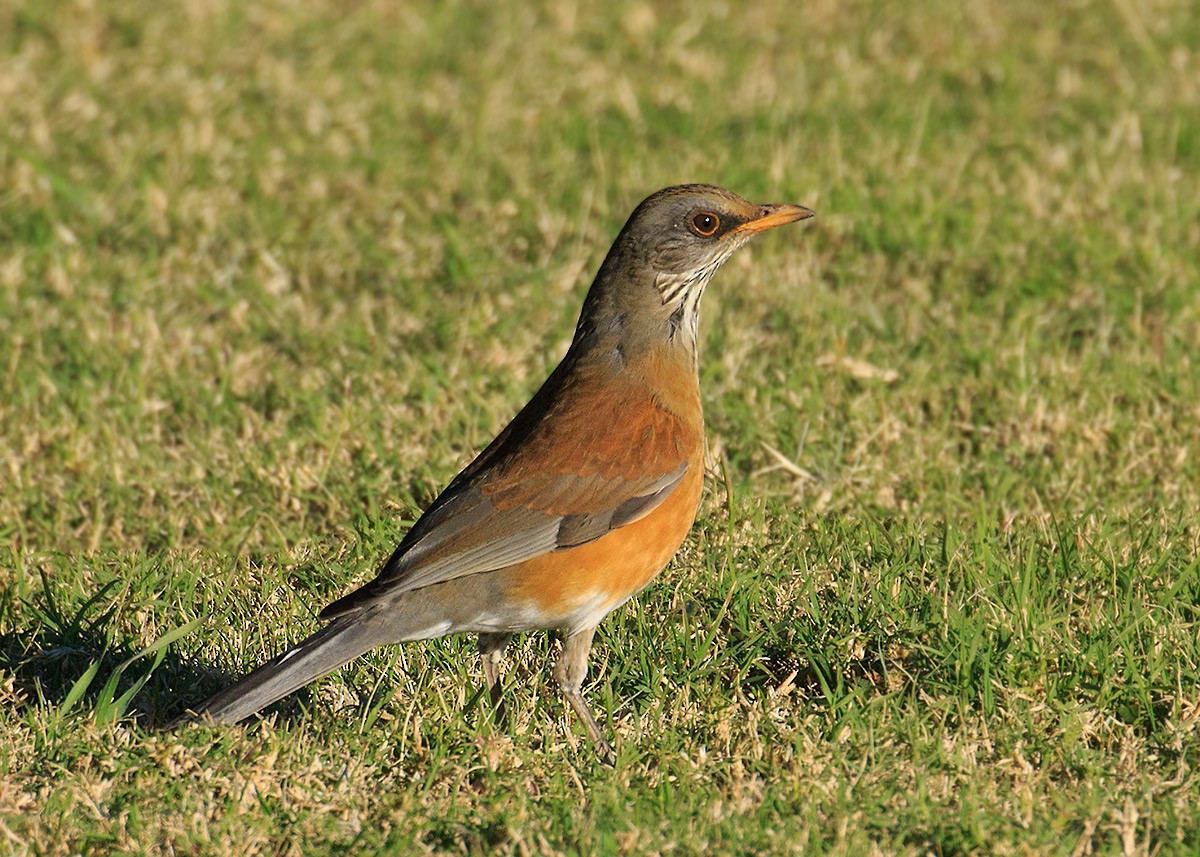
(705, 223)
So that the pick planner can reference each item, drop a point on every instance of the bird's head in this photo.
(670, 248)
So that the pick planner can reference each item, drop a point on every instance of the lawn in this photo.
(271, 273)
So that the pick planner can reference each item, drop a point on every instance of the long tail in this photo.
(339, 642)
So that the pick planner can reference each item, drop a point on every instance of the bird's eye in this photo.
(705, 223)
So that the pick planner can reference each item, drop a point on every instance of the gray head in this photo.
(667, 252)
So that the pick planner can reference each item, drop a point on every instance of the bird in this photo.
(580, 501)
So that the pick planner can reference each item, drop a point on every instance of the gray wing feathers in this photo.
(575, 530)
(532, 533)
(469, 535)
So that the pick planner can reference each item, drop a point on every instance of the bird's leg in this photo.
(569, 672)
(491, 649)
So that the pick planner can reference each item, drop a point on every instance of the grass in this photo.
(270, 273)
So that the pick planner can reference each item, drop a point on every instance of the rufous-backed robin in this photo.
(582, 499)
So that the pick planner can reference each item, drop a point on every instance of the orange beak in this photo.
(770, 216)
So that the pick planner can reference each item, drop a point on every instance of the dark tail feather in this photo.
(337, 643)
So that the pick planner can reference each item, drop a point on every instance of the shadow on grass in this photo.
(74, 661)
(61, 661)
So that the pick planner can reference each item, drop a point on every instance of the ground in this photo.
(271, 273)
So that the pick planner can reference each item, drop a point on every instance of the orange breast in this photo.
(618, 427)
(585, 583)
